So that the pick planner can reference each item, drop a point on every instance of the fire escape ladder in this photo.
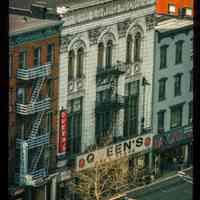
(36, 124)
(36, 90)
(36, 158)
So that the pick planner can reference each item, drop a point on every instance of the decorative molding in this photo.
(150, 21)
(122, 28)
(94, 35)
(65, 41)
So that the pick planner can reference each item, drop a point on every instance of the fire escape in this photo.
(32, 143)
(111, 105)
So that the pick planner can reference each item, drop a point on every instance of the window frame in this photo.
(179, 52)
(163, 56)
(24, 53)
(52, 54)
(176, 108)
(38, 57)
(163, 96)
(178, 84)
(80, 62)
(161, 113)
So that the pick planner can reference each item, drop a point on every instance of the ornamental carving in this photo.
(150, 22)
(122, 28)
(65, 41)
(94, 35)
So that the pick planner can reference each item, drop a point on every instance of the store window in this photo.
(129, 49)
(23, 59)
(162, 89)
(80, 57)
(100, 55)
(71, 65)
(137, 47)
(50, 53)
(171, 9)
(163, 56)
(161, 121)
(131, 109)
(177, 84)
(37, 56)
(179, 52)
(190, 115)
(176, 116)
(109, 49)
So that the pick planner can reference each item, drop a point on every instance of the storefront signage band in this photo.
(114, 152)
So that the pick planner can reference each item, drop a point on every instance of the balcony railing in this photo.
(113, 69)
(31, 108)
(113, 103)
(35, 72)
(35, 141)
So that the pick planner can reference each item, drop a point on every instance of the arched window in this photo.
(100, 55)
(80, 55)
(137, 47)
(71, 65)
(109, 54)
(129, 49)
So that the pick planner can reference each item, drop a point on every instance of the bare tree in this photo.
(101, 181)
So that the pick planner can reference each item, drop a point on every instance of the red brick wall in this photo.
(162, 5)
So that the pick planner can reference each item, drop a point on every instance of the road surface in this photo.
(173, 189)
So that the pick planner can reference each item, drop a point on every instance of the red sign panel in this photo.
(63, 132)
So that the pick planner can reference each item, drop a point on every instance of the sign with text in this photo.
(63, 132)
(114, 152)
(168, 139)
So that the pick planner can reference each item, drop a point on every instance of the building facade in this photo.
(172, 93)
(106, 66)
(175, 7)
(33, 105)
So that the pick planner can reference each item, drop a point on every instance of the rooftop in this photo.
(20, 24)
(173, 24)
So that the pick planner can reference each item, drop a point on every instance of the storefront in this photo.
(172, 150)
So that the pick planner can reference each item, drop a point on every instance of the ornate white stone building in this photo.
(99, 39)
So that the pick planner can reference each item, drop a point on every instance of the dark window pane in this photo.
(137, 47)
(162, 88)
(176, 116)
(177, 85)
(80, 55)
(71, 65)
(23, 59)
(129, 49)
(109, 54)
(50, 53)
(163, 57)
(100, 55)
(37, 56)
(179, 48)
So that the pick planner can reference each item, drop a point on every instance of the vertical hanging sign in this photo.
(63, 132)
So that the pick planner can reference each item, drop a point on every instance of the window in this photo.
(179, 49)
(109, 54)
(71, 65)
(162, 88)
(50, 87)
(10, 66)
(161, 120)
(137, 47)
(129, 49)
(37, 56)
(171, 9)
(131, 110)
(177, 85)
(21, 95)
(50, 53)
(176, 116)
(75, 125)
(100, 55)
(188, 11)
(163, 57)
(23, 59)
(80, 55)
(190, 112)
(191, 81)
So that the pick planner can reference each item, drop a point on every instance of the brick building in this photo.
(33, 103)
(175, 7)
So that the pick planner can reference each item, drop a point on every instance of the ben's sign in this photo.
(114, 152)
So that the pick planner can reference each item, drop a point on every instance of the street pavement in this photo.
(175, 188)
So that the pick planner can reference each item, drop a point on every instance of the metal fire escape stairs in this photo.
(36, 141)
